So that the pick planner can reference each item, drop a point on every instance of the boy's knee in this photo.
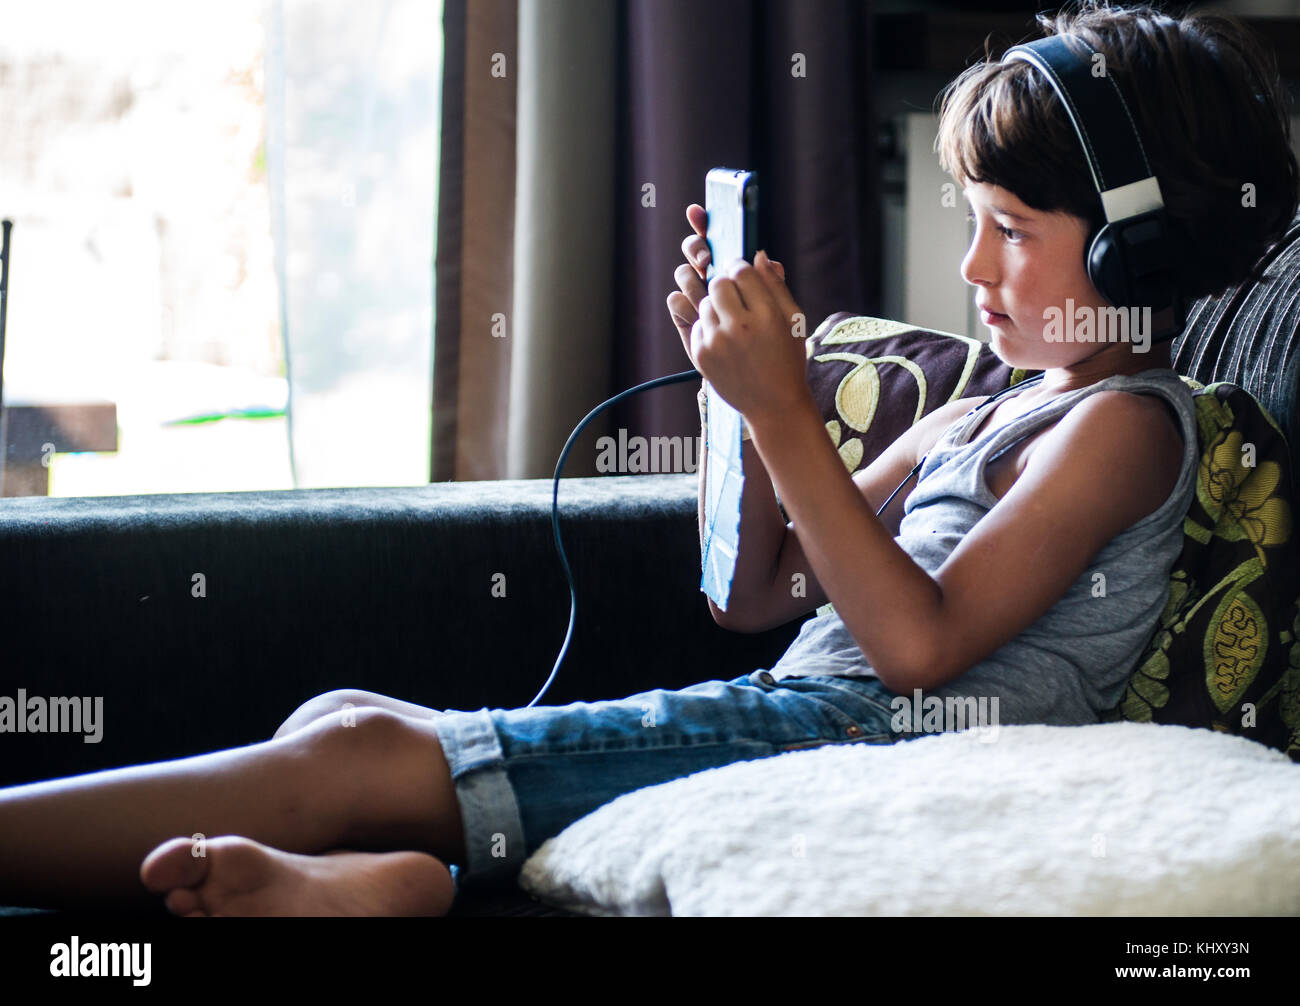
(347, 701)
(388, 778)
(359, 738)
(343, 759)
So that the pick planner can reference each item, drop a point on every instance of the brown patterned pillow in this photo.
(874, 378)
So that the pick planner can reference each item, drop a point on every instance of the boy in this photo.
(977, 583)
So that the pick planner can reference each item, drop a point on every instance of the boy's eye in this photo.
(1008, 232)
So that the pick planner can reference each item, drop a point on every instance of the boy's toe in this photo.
(171, 865)
(184, 901)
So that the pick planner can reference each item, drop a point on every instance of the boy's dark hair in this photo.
(1210, 109)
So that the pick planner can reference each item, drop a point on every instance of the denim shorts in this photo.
(523, 775)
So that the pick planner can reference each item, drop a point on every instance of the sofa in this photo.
(390, 590)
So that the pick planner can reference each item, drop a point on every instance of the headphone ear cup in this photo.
(1109, 273)
(1105, 266)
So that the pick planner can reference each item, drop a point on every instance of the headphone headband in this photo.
(1115, 155)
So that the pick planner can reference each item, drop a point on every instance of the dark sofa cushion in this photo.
(388, 590)
(1250, 336)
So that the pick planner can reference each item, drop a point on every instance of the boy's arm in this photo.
(774, 600)
(876, 482)
(1088, 479)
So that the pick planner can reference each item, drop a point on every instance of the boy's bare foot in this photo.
(241, 877)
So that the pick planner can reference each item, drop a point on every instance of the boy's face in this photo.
(1021, 274)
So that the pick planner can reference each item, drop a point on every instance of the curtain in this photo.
(575, 133)
(474, 260)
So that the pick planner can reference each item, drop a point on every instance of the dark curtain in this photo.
(783, 88)
(711, 85)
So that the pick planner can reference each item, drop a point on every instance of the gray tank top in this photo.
(1076, 660)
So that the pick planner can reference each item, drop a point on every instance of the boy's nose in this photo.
(977, 267)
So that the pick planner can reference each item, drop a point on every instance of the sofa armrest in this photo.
(203, 620)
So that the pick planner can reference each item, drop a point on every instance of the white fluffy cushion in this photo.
(1109, 819)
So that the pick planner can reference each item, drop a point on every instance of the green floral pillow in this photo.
(1226, 654)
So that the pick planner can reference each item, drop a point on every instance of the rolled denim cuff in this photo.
(494, 834)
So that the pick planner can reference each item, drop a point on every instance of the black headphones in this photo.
(1130, 259)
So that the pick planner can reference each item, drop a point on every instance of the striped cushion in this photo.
(1250, 336)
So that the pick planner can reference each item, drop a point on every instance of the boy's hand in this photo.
(684, 303)
(749, 341)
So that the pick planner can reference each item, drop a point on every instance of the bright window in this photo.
(222, 212)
